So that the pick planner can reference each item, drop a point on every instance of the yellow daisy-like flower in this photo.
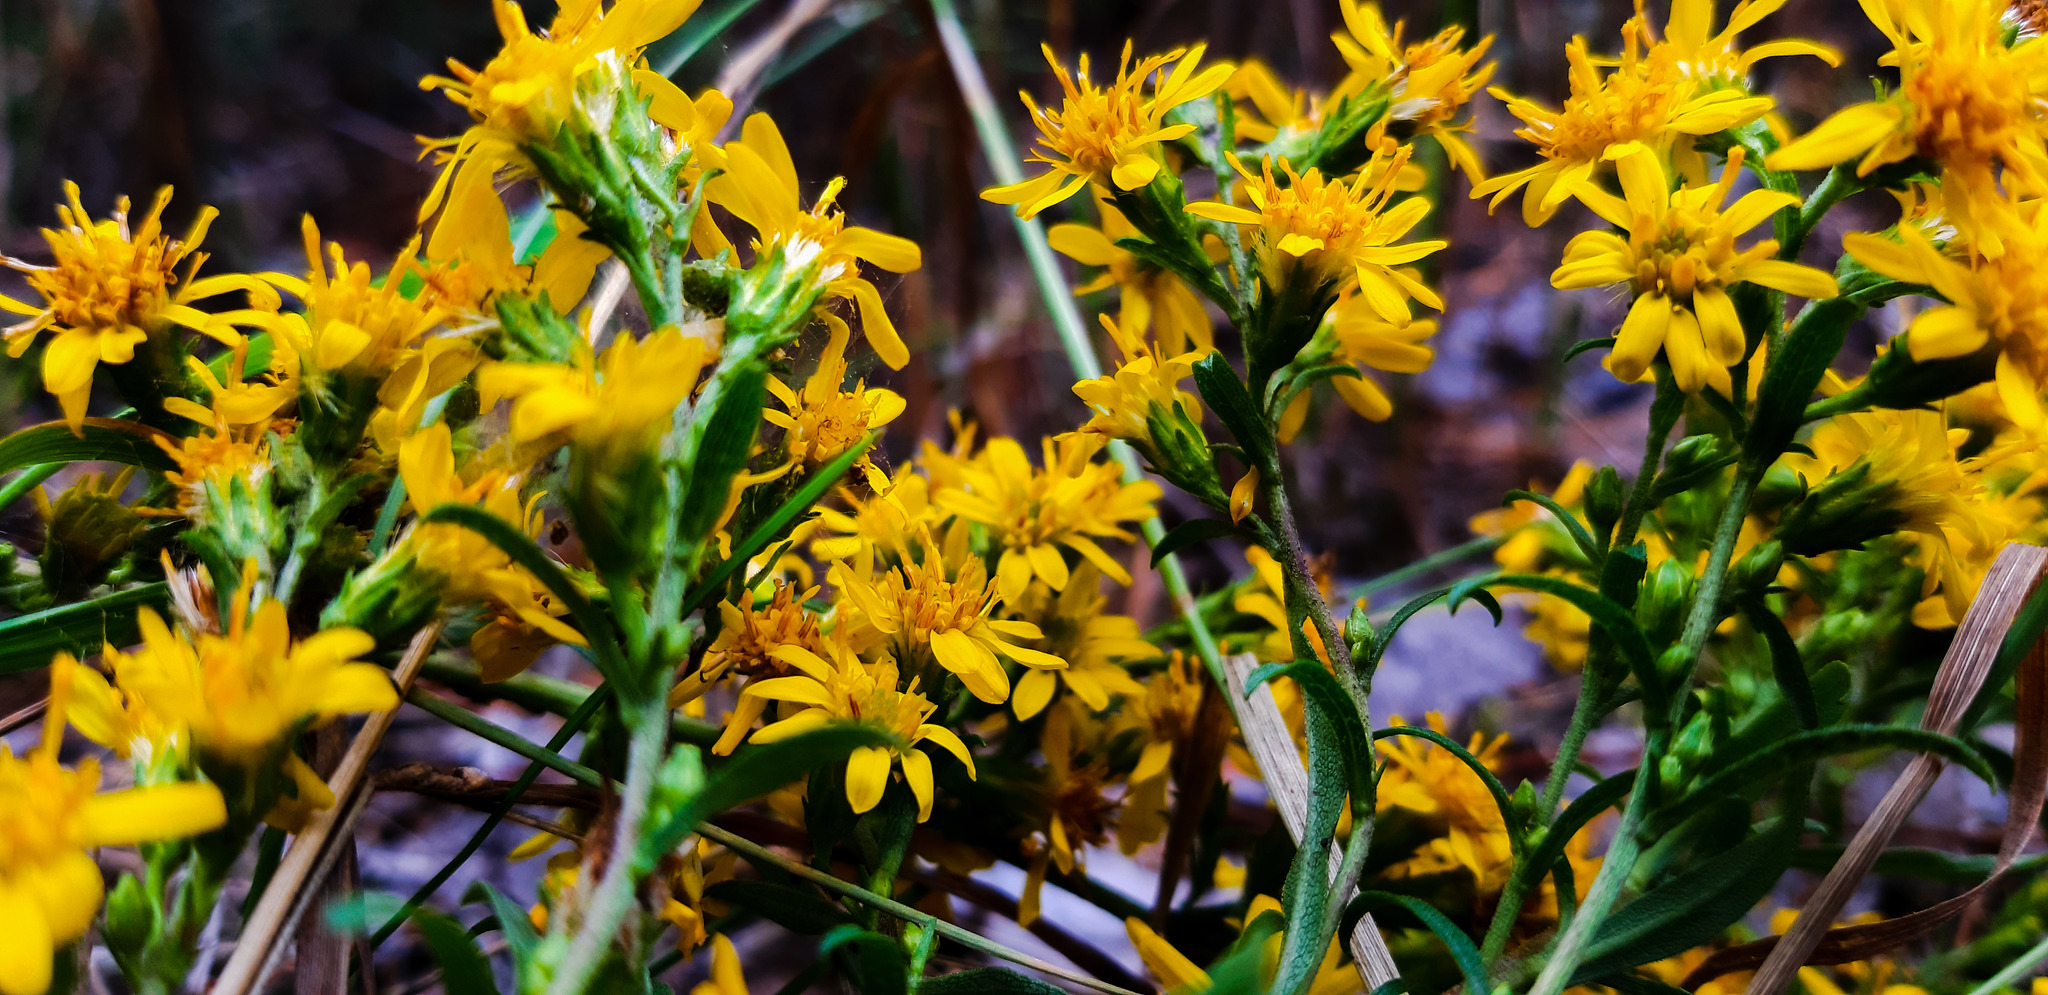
(1032, 512)
(355, 322)
(473, 570)
(50, 817)
(1167, 714)
(1108, 136)
(528, 92)
(748, 637)
(760, 188)
(1146, 381)
(896, 506)
(1328, 233)
(1367, 340)
(111, 285)
(728, 976)
(1149, 299)
(1071, 806)
(928, 610)
(1079, 631)
(1648, 100)
(1965, 100)
(1428, 82)
(848, 690)
(224, 451)
(239, 692)
(618, 398)
(822, 421)
(1712, 57)
(2000, 300)
(1678, 261)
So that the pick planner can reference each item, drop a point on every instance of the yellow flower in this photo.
(1430, 782)
(848, 690)
(1273, 108)
(242, 691)
(1145, 293)
(109, 287)
(1324, 233)
(1145, 384)
(472, 569)
(1965, 100)
(1712, 58)
(50, 816)
(619, 398)
(727, 977)
(1649, 100)
(474, 263)
(1108, 135)
(686, 907)
(236, 402)
(1070, 798)
(924, 610)
(528, 92)
(355, 322)
(1367, 340)
(822, 421)
(896, 506)
(1679, 261)
(1032, 512)
(760, 189)
(1167, 714)
(112, 717)
(1999, 300)
(1428, 82)
(747, 640)
(1265, 597)
(212, 460)
(1079, 631)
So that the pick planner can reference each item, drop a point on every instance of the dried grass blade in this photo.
(313, 854)
(1266, 736)
(1958, 683)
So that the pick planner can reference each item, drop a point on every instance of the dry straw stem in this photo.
(1266, 736)
(317, 849)
(1958, 683)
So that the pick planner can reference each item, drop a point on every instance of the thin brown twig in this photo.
(24, 716)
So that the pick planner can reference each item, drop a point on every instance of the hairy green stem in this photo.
(1839, 183)
(1620, 861)
(482, 728)
(618, 891)
(30, 478)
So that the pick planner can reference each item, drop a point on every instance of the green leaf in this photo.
(29, 641)
(1587, 345)
(1319, 688)
(1786, 665)
(514, 542)
(802, 501)
(761, 768)
(1202, 276)
(1385, 636)
(987, 981)
(1595, 800)
(511, 916)
(1493, 785)
(1192, 531)
(1745, 776)
(1693, 907)
(106, 439)
(1583, 538)
(675, 51)
(727, 442)
(464, 971)
(1462, 948)
(877, 960)
(793, 907)
(1225, 395)
(1282, 390)
(1794, 372)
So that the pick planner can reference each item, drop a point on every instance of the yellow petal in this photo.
(867, 776)
(1944, 333)
(1243, 494)
(1792, 278)
(143, 815)
(1048, 564)
(70, 889)
(1844, 135)
(1034, 692)
(26, 956)
(917, 772)
(1642, 334)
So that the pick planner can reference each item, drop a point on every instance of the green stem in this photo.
(1002, 158)
(1855, 398)
(30, 478)
(1620, 861)
(1839, 183)
(482, 728)
(760, 855)
(542, 693)
(2014, 971)
(618, 891)
(1664, 413)
(1426, 566)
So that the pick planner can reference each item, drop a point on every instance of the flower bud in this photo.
(1693, 461)
(87, 530)
(1604, 499)
(1844, 512)
(1667, 594)
(1757, 569)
